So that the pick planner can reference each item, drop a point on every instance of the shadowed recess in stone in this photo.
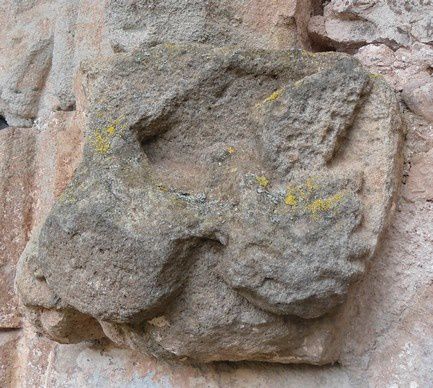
(226, 201)
(3, 123)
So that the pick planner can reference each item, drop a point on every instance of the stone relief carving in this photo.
(226, 201)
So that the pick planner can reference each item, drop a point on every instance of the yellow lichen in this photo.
(111, 130)
(274, 96)
(101, 138)
(291, 199)
(307, 199)
(374, 75)
(231, 150)
(322, 205)
(262, 181)
(102, 143)
(170, 46)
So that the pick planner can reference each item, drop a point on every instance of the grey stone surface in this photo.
(225, 198)
(44, 49)
(44, 309)
(351, 24)
(250, 23)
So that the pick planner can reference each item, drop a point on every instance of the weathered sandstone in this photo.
(379, 332)
(140, 236)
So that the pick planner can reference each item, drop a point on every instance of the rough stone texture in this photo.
(389, 307)
(58, 152)
(251, 23)
(387, 328)
(392, 39)
(8, 345)
(102, 364)
(54, 36)
(22, 79)
(389, 339)
(35, 165)
(36, 77)
(350, 24)
(420, 181)
(418, 95)
(31, 163)
(399, 66)
(139, 236)
(45, 310)
(17, 165)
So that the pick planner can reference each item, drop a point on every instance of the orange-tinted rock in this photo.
(420, 181)
(389, 340)
(59, 144)
(404, 357)
(418, 95)
(8, 355)
(35, 166)
(283, 22)
(17, 166)
(33, 358)
(100, 364)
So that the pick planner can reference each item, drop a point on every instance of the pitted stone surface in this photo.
(350, 24)
(225, 197)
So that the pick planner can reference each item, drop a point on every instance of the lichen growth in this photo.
(231, 150)
(322, 205)
(291, 199)
(101, 139)
(67, 198)
(170, 46)
(308, 198)
(375, 76)
(298, 55)
(102, 143)
(274, 96)
(262, 181)
(111, 130)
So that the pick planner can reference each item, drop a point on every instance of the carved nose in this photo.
(118, 245)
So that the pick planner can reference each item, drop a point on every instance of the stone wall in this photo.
(387, 321)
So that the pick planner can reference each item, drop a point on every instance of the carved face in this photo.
(226, 191)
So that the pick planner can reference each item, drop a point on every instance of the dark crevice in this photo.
(318, 7)
(71, 107)
(3, 123)
(320, 46)
(318, 43)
